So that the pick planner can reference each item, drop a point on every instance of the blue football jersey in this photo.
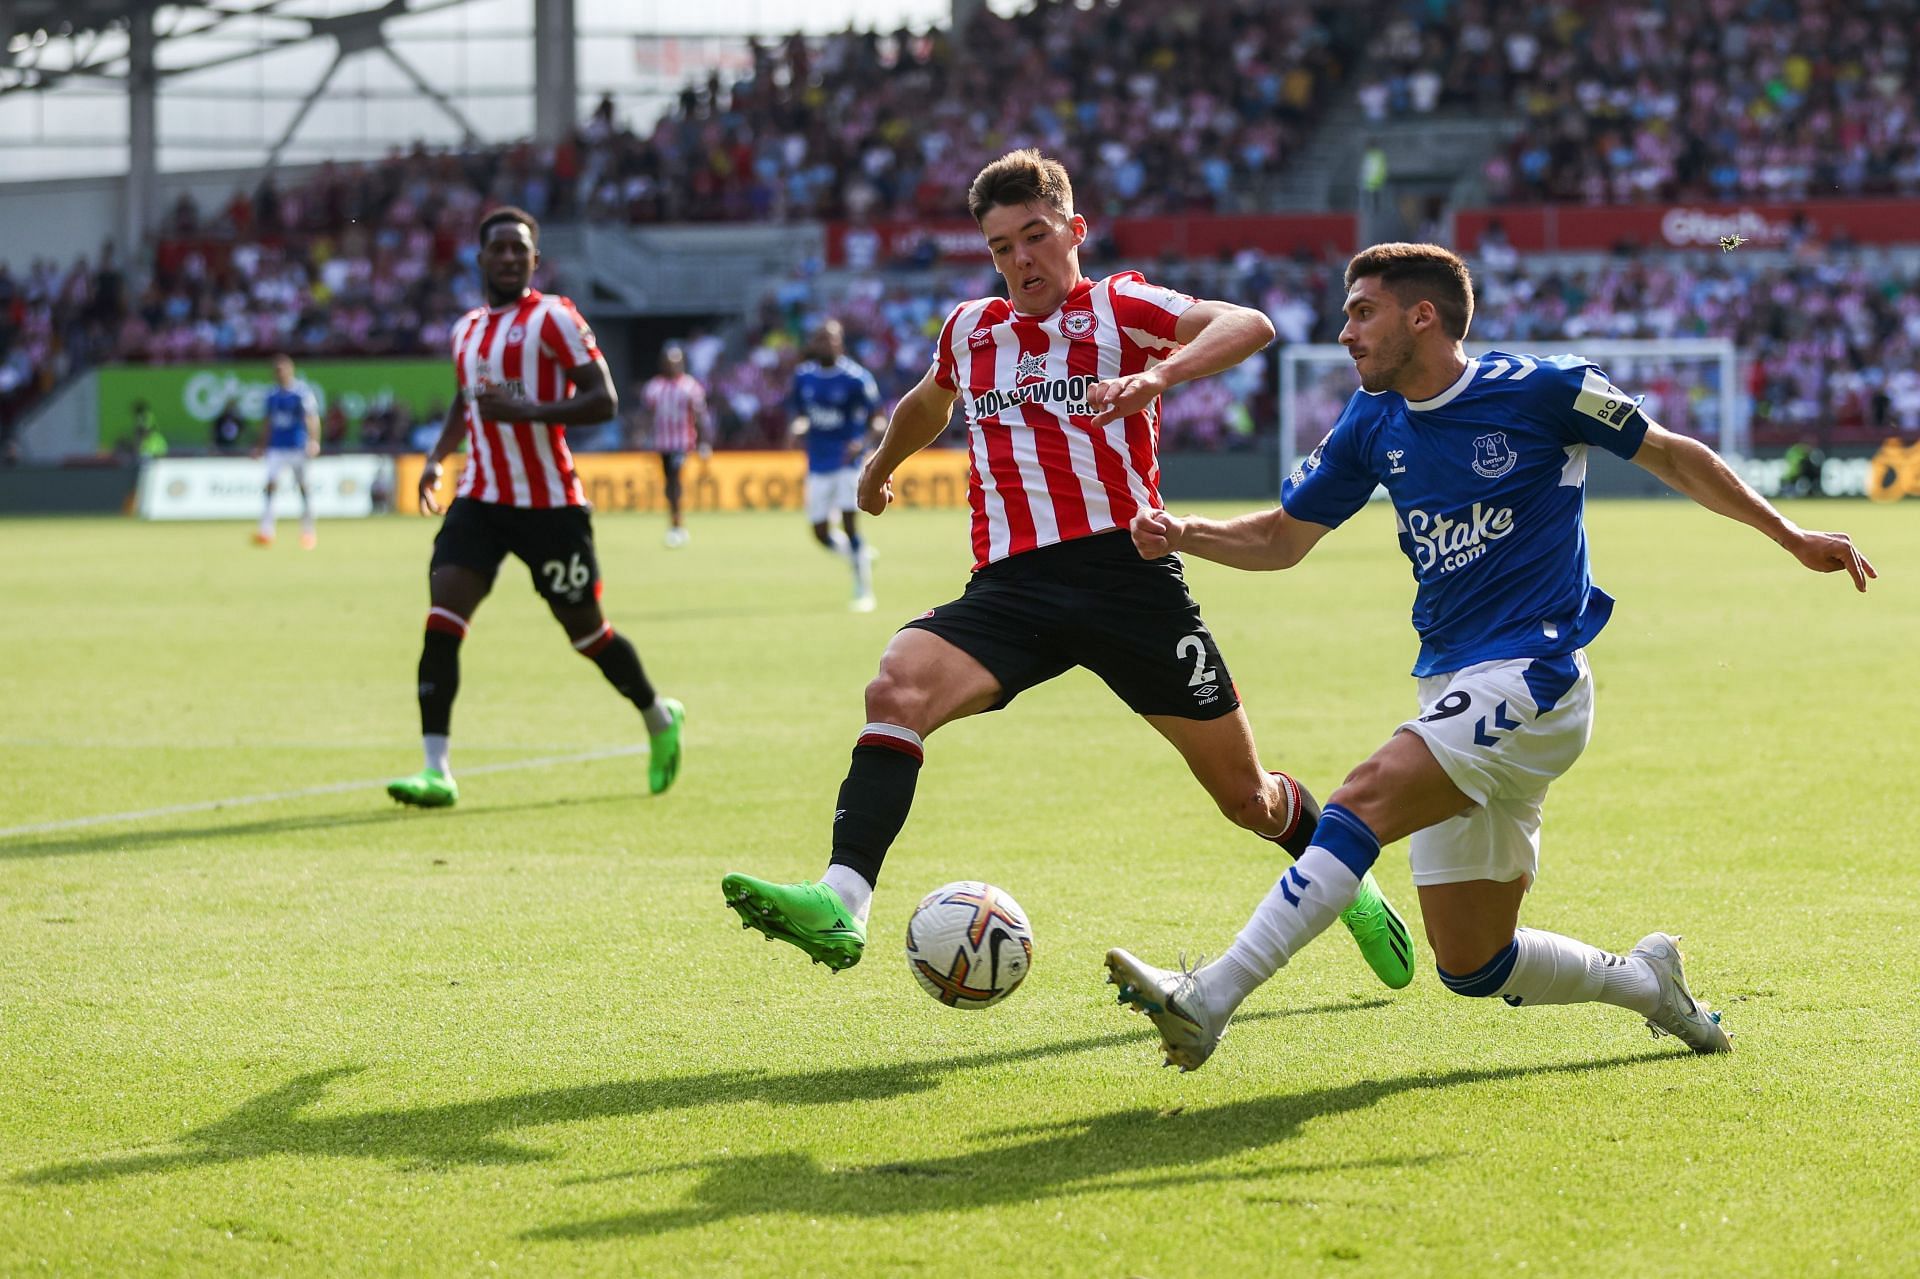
(286, 413)
(1488, 479)
(837, 400)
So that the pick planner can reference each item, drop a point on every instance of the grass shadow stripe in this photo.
(304, 792)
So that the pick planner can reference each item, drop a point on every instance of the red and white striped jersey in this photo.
(1039, 472)
(527, 346)
(675, 404)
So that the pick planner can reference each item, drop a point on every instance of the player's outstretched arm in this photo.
(1213, 336)
(1262, 541)
(917, 421)
(1690, 467)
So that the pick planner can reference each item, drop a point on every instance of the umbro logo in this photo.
(980, 338)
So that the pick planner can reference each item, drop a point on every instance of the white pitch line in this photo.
(331, 788)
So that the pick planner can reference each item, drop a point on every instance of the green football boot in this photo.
(663, 748)
(428, 788)
(808, 915)
(1382, 935)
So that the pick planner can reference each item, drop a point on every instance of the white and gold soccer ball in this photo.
(969, 944)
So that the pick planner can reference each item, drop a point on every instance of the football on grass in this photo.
(969, 945)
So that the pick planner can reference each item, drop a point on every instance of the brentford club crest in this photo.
(980, 338)
(515, 333)
(1077, 325)
(1029, 368)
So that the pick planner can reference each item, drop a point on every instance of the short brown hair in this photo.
(1021, 177)
(1421, 273)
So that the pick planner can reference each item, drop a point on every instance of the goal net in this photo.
(1692, 385)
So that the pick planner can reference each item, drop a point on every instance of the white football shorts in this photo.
(1503, 731)
(280, 461)
(829, 492)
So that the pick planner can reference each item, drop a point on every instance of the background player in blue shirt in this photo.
(290, 426)
(1485, 461)
(836, 415)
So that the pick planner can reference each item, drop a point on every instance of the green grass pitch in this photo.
(322, 1034)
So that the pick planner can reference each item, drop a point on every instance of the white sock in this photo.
(837, 543)
(437, 749)
(266, 520)
(658, 721)
(1551, 969)
(1308, 898)
(862, 571)
(853, 888)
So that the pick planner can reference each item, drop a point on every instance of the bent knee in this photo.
(1252, 812)
(1474, 971)
(1362, 787)
(892, 699)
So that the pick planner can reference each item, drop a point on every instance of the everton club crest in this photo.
(1493, 457)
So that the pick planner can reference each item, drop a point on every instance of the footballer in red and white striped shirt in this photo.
(1041, 472)
(524, 351)
(675, 406)
(525, 369)
(1060, 382)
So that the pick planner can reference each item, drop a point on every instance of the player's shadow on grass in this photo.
(127, 841)
(470, 1132)
(1123, 1150)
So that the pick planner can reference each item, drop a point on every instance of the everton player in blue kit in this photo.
(291, 424)
(1485, 461)
(836, 412)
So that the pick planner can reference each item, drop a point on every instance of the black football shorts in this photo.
(1090, 602)
(555, 543)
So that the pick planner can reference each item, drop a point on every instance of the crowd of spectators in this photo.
(1156, 108)
(1653, 100)
(1153, 107)
(52, 321)
(1830, 337)
(372, 260)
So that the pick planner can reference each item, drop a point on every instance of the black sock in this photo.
(874, 801)
(619, 661)
(439, 681)
(1300, 838)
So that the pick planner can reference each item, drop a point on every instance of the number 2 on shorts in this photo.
(1193, 646)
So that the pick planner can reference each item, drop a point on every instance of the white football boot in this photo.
(1679, 1014)
(1189, 1031)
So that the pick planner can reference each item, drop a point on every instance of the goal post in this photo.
(1691, 385)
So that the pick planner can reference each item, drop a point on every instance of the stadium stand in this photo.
(1613, 104)
(1633, 102)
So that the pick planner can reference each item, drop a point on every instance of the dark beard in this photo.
(1384, 375)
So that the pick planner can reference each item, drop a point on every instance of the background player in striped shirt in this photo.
(836, 417)
(290, 434)
(673, 407)
(525, 368)
(1061, 381)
